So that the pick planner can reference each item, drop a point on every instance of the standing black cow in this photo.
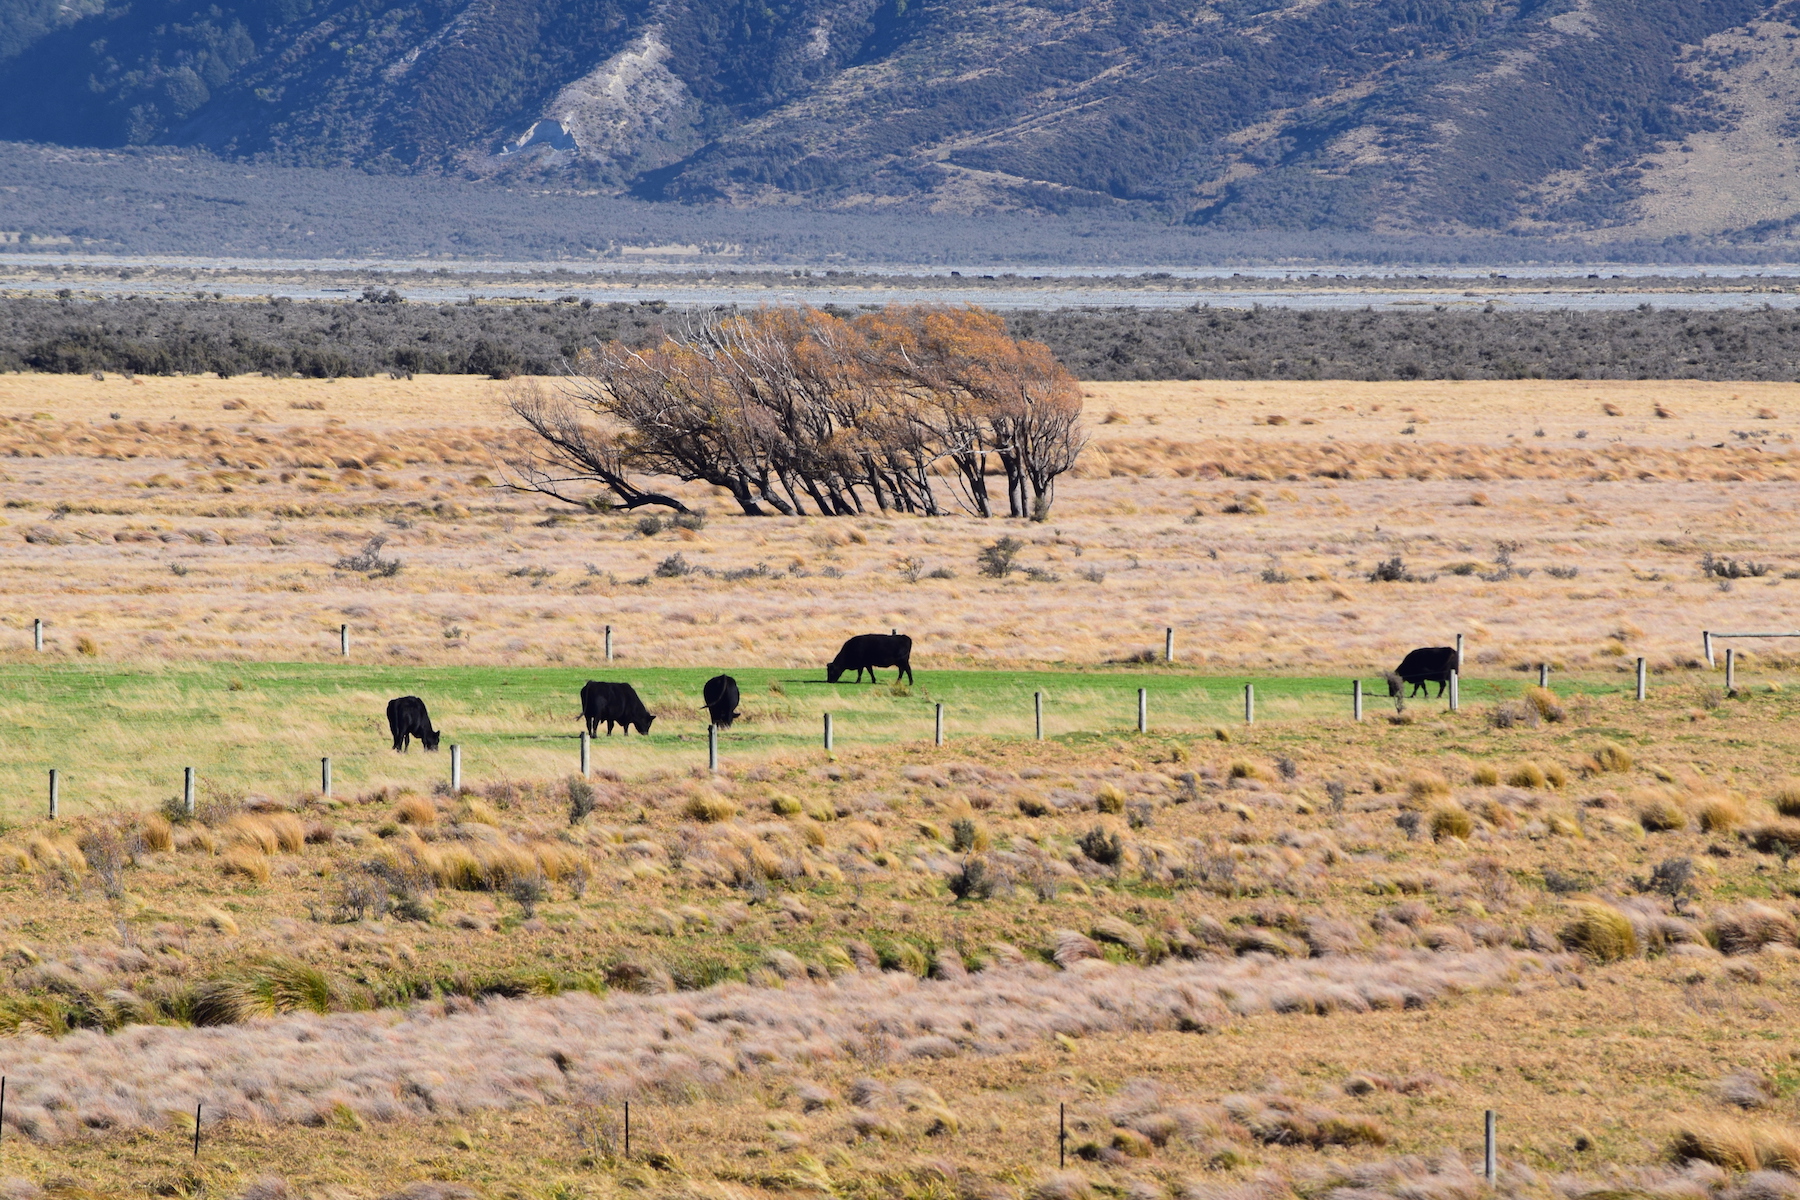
(408, 719)
(721, 696)
(616, 704)
(866, 651)
(1429, 664)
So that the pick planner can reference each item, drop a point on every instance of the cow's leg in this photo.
(1442, 684)
(907, 667)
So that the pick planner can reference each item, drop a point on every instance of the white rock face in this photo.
(628, 100)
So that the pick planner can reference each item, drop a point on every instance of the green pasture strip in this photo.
(121, 736)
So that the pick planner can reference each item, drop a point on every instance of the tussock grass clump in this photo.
(1601, 932)
(1749, 928)
(157, 833)
(247, 861)
(1245, 769)
(1451, 821)
(1527, 775)
(1485, 775)
(415, 810)
(1777, 837)
(1661, 814)
(709, 807)
(1737, 1145)
(1786, 797)
(1612, 757)
(1426, 785)
(1718, 812)
(1109, 799)
(1546, 703)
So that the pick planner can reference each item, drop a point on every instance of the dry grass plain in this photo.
(1297, 960)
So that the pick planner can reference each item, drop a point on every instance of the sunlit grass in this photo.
(120, 738)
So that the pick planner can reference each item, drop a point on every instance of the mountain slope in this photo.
(1378, 115)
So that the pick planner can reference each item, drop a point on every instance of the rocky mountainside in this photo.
(1668, 117)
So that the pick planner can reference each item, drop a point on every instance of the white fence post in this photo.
(1356, 699)
(937, 736)
(187, 790)
(455, 769)
(609, 643)
(1731, 668)
(1249, 703)
(1143, 710)
(587, 755)
(37, 634)
(712, 747)
(325, 777)
(55, 791)
(1643, 684)
(1169, 644)
(1037, 708)
(828, 733)
(1455, 697)
(344, 641)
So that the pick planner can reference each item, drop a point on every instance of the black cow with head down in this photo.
(615, 704)
(407, 719)
(866, 651)
(1429, 664)
(721, 697)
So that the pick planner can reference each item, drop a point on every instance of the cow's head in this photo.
(833, 672)
(1396, 685)
(643, 726)
(430, 738)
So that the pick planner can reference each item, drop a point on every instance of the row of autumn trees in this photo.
(798, 411)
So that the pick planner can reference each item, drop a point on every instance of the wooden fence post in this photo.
(1455, 699)
(1730, 670)
(1544, 675)
(1169, 644)
(1037, 708)
(1705, 645)
(37, 634)
(325, 777)
(587, 755)
(187, 790)
(1487, 1159)
(712, 747)
(609, 643)
(344, 641)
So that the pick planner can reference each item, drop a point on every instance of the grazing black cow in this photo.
(1429, 664)
(408, 719)
(721, 696)
(866, 651)
(616, 704)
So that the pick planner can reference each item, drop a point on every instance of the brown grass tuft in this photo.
(415, 810)
(1660, 814)
(1786, 797)
(1612, 757)
(1451, 821)
(1749, 928)
(1527, 775)
(1717, 812)
(157, 833)
(1600, 931)
(247, 861)
(709, 807)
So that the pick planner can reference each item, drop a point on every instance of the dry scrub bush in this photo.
(438, 1061)
(1601, 932)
